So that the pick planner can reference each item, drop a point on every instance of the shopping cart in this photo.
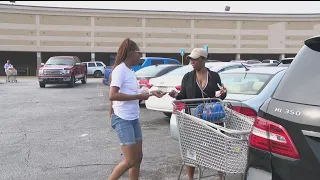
(219, 142)
(11, 75)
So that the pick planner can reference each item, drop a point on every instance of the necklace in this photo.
(202, 87)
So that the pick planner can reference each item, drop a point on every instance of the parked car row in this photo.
(267, 62)
(285, 139)
(172, 81)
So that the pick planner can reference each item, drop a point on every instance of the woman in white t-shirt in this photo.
(124, 108)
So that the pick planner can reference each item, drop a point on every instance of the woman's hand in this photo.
(173, 94)
(223, 90)
(158, 93)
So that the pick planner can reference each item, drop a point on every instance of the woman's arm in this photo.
(117, 79)
(183, 92)
(115, 95)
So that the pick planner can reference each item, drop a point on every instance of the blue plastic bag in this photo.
(107, 73)
(210, 111)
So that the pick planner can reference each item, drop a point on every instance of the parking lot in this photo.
(63, 133)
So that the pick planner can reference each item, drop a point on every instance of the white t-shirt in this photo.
(126, 80)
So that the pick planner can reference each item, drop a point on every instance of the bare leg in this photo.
(190, 172)
(128, 162)
(135, 170)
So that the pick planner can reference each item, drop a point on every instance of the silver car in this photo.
(247, 89)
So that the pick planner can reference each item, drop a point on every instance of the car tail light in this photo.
(179, 106)
(245, 111)
(178, 88)
(272, 137)
(145, 82)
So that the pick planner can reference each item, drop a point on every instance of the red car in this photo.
(62, 70)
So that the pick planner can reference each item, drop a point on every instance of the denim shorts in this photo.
(129, 131)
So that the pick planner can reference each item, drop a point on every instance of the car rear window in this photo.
(150, 71)
(242, 83)
(300, 84)
(180, 71)
(185, 69)
(60, 61)
(286, 61)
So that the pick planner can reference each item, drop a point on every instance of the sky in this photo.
(289, 7)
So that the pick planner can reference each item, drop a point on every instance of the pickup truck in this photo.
(62, 70)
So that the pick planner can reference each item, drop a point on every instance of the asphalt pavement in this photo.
(63, 133)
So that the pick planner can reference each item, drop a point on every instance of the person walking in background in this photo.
(199, 83)
(124, 108)
(6, 66)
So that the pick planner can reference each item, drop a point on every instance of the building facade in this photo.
(30, 35)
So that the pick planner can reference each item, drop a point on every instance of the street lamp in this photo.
(227, 8)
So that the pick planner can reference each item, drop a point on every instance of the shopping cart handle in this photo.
(197, 99)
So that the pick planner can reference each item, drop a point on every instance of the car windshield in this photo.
(245, 83)
(141, 61)
(150, 71)
(60, 61)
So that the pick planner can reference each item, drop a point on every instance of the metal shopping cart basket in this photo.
(212, 135)
(11, 75)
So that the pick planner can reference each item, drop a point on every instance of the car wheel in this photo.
(84, 79)
(72, 81)
(167, 114)
(97, 74)
(42, 85)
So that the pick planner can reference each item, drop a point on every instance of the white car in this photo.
(270, 61)
(172, 81)
(95, 68)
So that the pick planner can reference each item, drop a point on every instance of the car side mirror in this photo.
(42, 64)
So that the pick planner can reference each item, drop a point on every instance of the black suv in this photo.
(285, 140)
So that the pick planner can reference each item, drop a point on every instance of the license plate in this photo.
(164, 89)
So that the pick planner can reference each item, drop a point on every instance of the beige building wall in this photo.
(42, 29)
